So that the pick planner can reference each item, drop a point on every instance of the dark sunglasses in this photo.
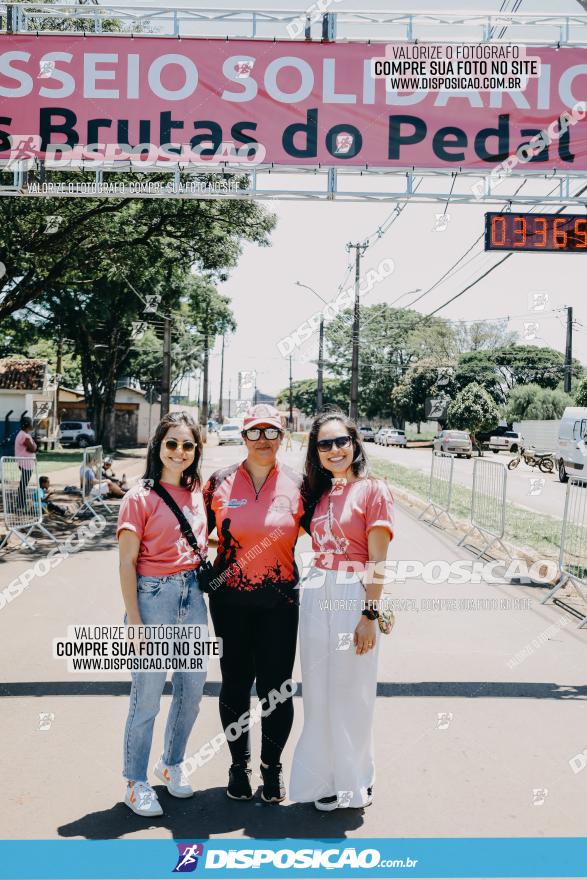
(339, 442)
(268, 433)
(172, 445)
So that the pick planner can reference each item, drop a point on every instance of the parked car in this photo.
(511, 441)
(395, 437)
(367, 433)
(571, 450)
(381, 434)
(80, 434)
(230, 434)
(456, 442)
(483, 437)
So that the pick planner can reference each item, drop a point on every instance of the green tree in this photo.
(473, 409)
(420, 382)
(581, 393)
(534, 402)
(336, 392)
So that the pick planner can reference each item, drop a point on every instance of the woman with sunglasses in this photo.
(159, 580)
(256, 508)
(351, 527)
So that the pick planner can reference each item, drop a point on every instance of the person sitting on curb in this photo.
(47, 505)
(94, 487)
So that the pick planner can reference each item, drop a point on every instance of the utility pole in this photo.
(360, 249)
(320, 386)
(221, 382)
(166, 375)
(290, 419)
(229, 397)
(569, 350)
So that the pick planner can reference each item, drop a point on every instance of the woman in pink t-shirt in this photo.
(351, 527)
(159, 580)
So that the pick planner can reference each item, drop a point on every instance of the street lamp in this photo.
(320, 383)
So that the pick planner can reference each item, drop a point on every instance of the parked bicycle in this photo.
(544, 461)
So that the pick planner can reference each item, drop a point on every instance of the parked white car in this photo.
(395, 437)
(456, 442)
(367, 433)
(509, 441)
(571, 451)
(381, 434)
(230, 434)
(74, 433)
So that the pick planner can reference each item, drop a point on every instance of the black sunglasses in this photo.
(268, 433)
(340, 443)
(187, 446)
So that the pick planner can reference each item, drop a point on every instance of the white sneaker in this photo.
(142, 799)
(174, 778)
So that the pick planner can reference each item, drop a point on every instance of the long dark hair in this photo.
(318, 479)
(191, 478)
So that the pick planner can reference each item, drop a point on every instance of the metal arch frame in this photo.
(401, 186)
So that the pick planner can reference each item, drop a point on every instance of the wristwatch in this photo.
(370, 613)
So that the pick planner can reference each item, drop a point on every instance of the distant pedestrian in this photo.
(25, 449)
(159, 581)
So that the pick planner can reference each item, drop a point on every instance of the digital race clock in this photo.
(545, 233)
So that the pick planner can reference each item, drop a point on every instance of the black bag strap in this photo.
(183, 523)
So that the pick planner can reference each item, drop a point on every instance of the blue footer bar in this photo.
(352, 857)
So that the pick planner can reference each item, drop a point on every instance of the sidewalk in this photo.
(503, 733)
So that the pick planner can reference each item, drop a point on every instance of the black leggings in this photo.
(258, 643)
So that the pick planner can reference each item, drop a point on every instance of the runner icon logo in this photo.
(345, 641)
(187, 860)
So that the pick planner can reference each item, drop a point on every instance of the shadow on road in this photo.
(532, 690)
(211, 813)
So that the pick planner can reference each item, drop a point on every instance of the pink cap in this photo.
(262, 414)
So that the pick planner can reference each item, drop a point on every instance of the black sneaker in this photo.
(239, 783)
(273, 786)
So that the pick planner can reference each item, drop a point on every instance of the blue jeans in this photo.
(177, 599)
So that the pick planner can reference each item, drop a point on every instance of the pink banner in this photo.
(300, 103)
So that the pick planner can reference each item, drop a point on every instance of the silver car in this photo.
(230, 434)
(367, 433)
(381, 435)
(455, 442)
(395, 437)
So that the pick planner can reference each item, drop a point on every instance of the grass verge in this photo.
(522, 527)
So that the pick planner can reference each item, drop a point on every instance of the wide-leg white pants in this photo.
(334, 755)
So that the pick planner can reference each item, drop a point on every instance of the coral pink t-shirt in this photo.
(343, 518)
(164, 549)
(20, 451)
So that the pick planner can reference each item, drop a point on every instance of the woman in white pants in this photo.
(351, 525)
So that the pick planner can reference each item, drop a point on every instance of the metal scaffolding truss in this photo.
(303, 182)
(537, 28)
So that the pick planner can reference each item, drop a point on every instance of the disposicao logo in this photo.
(187, 859)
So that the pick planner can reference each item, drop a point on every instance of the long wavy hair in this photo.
(191, 478)
(318, 479)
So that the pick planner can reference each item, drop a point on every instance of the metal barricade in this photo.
(573, 550)
(21, 501)
(93, 485)
(440, 488)
(488, 504)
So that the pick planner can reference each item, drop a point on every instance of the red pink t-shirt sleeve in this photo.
(379, 508)
(132, 514)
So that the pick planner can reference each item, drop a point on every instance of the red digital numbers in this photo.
(566, 233)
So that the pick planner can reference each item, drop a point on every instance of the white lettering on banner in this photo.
(348, 857)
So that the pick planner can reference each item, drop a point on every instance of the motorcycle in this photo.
(544, 461)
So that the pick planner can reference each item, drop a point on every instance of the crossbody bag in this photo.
(206, 570)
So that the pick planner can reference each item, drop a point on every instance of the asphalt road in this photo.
(546, 496)
(467, 744)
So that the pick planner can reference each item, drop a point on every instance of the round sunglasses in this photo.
(186, 446)
(340, 442)
(268, 433)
